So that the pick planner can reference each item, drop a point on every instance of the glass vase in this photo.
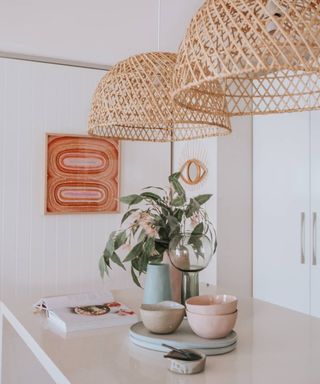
(191, 253)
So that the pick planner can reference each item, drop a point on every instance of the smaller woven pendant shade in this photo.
(133, 102)
(264, 53)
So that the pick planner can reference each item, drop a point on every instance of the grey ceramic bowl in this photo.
(164, 317)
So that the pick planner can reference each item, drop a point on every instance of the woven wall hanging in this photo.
(133, 102)
(265, 54)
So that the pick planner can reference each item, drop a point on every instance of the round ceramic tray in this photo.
(182, 338)
(206, 351)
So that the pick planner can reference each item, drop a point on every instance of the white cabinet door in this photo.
(315, 211)
(281, 219)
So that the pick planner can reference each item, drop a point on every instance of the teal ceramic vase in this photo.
(157, 285)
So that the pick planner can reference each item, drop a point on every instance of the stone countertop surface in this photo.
(275, 345)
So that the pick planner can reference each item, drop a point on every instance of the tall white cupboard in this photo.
(286, 210)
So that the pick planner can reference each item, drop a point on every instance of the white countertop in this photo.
(275, 345)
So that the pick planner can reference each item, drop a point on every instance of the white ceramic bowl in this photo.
(164, 317)
(185, 367)
(212, 326)
(212, 304)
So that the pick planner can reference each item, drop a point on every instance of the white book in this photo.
(85, 311)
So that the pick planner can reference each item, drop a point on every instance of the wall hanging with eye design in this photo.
(193, 171)
(193, 162)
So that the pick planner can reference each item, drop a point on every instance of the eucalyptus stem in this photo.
(159, 217)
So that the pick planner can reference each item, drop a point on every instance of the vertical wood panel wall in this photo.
(47, 255)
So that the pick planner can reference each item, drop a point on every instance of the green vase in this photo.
(190, 286)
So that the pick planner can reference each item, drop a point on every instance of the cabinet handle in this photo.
(302, 238)
(314, 235)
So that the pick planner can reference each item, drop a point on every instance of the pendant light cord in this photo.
(159, 19)
(158, 46)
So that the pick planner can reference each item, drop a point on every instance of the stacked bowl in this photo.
(212, 317)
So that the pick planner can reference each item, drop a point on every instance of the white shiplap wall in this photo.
(47, 255)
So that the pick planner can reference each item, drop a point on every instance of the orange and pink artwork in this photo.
(82, 174)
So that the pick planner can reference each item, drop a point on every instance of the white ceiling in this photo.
(98, 31)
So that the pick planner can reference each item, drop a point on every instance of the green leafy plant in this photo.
(153, 219)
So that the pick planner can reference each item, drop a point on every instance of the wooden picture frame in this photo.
(82, 174)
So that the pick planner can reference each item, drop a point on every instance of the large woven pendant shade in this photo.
(265, 54)
(133, 102)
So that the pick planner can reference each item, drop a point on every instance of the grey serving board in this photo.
(182, 338)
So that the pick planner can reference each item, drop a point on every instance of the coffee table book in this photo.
(85, 311)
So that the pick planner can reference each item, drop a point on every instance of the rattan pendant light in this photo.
(264, 53)
(133, 102)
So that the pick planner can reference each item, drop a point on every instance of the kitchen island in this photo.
(275, 345)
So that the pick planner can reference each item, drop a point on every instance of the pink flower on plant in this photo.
(195, 219)
(146, 222)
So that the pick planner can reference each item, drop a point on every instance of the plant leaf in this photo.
(165, 210)
(178, 213)
(193, 207)
(142, 236)
(174, 176)
(107, 262)
(201, 199)
(120, 239)
(135, 251)
(196, 244)
(116, 259)
(142, 264)
(178, 201)
(102, 267)
(134, 277)
(151, 187)
(198, 230)
(157, 259)
(127, 214)
(108, 251)
(195, 240)
(173, 222)
(150, 196)
(164, 233)
(174, 225)
(175, 241)
(148, 246)
(131, 199)
(179, 189)
(161, 246)
(145, 261)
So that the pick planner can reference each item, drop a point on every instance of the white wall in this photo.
(99, 31)
(45, 255)
(235, 208)
(58, 253)
(175, 16)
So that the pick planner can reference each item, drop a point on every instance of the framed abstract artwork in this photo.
(82, 174)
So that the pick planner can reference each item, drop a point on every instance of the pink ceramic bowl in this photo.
(212, 305)
(212, 326)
